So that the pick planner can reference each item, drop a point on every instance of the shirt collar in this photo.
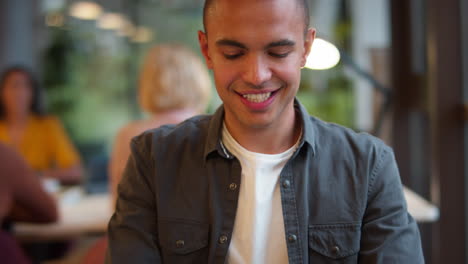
(309, 130)
(213, 141)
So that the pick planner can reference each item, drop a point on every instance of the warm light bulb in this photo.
(85, 10)
(142, 35)
(112, 21)
(127, 29)
(54, 20)
(323, 55)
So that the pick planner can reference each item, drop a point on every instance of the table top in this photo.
(421, 209)
(79, 214)
(82, 214)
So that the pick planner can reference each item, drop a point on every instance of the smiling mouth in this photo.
(257, 98)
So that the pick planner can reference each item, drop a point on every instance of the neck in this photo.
(17, 118)
(273, 139)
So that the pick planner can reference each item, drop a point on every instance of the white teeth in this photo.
(257, 98)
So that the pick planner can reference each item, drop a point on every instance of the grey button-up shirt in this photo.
(341, 195)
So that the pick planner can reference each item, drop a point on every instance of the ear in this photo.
(308, 40)
(203, 40)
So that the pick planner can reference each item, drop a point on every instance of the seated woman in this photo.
(39, 138)
(21, 199)
(174, 85)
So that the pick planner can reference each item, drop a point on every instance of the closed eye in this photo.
(232, 56)
(279, 55)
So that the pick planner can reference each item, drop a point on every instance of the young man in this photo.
(260, 181)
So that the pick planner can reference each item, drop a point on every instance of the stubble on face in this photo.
(260, 67)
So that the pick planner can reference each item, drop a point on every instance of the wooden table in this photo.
(89, 214)
(80, 214)
(421, 210)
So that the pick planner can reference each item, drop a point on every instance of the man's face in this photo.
(256, 50)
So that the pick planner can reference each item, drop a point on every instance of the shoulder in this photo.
(190, 132)
(344, 141)
(128, 131)
(137, 127)
(125, 135)
(356, 158)
(45, 120)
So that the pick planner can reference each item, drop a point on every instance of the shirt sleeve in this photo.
(389, 233)
(63, 151)
(132, 229)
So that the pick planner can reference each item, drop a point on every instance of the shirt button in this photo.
(223, 239)
(335, 250)
(232, 186)
(180, 243)
(292, 238)
(286, 184)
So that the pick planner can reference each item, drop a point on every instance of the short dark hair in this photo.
(36, 106)
(302, 3)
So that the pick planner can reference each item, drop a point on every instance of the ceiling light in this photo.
(112, 21)
(142, 35)
(85, 10)
(323, 55)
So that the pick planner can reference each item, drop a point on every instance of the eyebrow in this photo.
(230, 42)
(283, 42)
(279, 43)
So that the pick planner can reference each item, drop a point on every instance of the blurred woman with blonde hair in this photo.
(174, 85)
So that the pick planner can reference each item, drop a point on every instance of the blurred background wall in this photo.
(19, 33)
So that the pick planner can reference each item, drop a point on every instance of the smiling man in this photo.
(260, 181)
(256, 50)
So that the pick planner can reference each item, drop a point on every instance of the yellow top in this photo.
(44, 144)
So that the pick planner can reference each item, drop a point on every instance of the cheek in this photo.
(8, 95)
(289, 70)
(24, 94)
(27, 94)
(224, 76)
(289, 74)
(17, 95)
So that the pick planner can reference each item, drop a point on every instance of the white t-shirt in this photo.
(258, 235)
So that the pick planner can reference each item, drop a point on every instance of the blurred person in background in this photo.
(174, 85)
(39, 138)
(21, 199)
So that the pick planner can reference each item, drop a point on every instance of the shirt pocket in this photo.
(183, 241)
(337, 243)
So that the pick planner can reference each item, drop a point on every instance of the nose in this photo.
(257, 70)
